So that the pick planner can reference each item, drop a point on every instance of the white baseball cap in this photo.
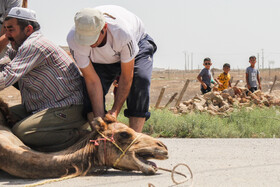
(88, 24)
(22, 13)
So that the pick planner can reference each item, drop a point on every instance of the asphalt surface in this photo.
(214, 162)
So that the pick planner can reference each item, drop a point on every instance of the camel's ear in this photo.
(98, 124)
(109, 118)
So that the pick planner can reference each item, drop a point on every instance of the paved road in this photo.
(214, 162)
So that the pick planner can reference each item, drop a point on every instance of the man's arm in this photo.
(21, 63)
(94, 89)
(201, 82)
(218, 81)
(124, 85)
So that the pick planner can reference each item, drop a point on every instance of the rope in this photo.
(117, 161)
(173, 171)
(172, 175)
(113, 142)
(51, 180)
(169, 170)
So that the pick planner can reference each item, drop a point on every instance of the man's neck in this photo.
(103, 41)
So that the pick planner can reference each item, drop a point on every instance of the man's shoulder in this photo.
(119, 33)
(111, 9)
(70, 37)
(38, 40)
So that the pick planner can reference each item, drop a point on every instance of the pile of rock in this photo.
(222, 103)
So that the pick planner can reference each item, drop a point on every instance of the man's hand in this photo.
(113, 114)
(3, 42)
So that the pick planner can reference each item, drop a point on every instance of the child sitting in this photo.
(224, 78)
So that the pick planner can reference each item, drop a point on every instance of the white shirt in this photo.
(123, 35)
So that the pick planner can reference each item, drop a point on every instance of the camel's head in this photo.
(130, 150)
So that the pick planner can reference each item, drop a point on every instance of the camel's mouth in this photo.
(143, 155)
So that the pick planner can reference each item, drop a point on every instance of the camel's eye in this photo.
(125, 135)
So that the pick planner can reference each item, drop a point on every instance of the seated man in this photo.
(50, 116)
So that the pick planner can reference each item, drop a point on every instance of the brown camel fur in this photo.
(85, 156)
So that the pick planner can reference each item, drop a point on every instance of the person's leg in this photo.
(253, 89)
(19, 112)
(208, 89)
(51, 129)
(139, 97)
(203, 91)
(137, 123)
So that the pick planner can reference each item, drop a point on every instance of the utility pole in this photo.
(191, 61)
(185, 54)
(262, 60)
(258, 56)
(188, 62)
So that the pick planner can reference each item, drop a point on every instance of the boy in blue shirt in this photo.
(253, 75)
(205, 77)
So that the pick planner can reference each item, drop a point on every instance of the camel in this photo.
(110, 145)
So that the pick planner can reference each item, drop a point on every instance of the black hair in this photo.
(252, 57)
(206, 59)
(24, 23)
(226, 65)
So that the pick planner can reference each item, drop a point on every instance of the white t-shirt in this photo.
(123, 35)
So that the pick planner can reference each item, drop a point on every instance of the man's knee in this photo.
(141, 82)
(48, 140)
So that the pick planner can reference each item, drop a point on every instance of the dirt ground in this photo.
(173, 81)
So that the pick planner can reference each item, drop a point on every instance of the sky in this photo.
(187, 31)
